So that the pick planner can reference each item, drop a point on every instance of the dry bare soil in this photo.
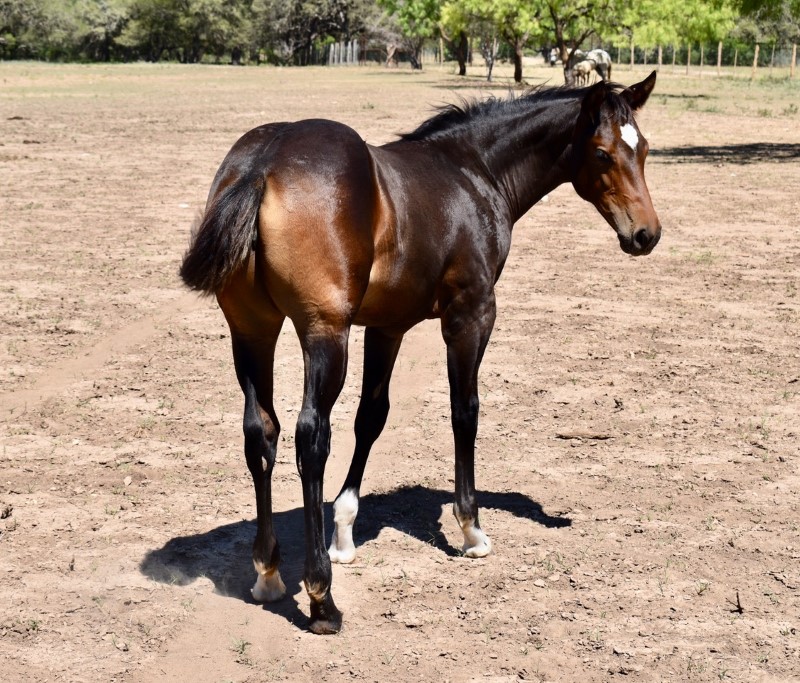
(638, 448)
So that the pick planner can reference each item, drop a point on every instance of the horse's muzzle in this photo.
(641, 243)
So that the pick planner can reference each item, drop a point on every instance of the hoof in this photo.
(344, 556)
(325, 627)
(268, 588)
(325, 619)
(480, 550)
(476, 543)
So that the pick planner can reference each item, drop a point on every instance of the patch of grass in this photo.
(705, 257)
(695, 665)
(240, 646)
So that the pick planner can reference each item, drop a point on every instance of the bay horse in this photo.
(306, 221)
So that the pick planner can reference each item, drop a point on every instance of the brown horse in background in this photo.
(308, 222)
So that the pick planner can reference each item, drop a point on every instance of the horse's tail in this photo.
(225, 235)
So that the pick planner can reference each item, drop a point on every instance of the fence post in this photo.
(772, 60)
(794, 59)
(719, 58)
(755, 63)
(688, 58)
(632, 53)
(660, 57)
(674, 53)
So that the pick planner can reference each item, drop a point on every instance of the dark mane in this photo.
(453, 116)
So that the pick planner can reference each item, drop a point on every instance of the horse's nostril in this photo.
(641, 239)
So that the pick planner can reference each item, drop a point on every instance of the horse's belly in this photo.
(397, 302)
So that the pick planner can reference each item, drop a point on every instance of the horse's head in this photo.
(608, 163)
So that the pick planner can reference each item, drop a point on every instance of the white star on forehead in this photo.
(630, 136)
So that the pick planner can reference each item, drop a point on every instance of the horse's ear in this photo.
(638, 93)
(592, 101)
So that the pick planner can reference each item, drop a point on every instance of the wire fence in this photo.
(769, 55)
(707, 57)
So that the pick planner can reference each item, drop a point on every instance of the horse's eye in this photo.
(604, 156)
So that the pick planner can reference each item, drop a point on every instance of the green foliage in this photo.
(517, 22)
(292, 31)
(416, 18)
(667, 22)
(185, 29)
(513, 19)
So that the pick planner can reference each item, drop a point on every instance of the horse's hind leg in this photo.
(325, 355)
(253, 358)
(380, 353)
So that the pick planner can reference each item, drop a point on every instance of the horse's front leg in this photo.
(466, 326)
(325, 356)
(380, 353)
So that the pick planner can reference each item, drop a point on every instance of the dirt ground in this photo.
(638, 447)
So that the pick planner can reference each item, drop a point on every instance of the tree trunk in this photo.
(772, 60)
(462, 53)
(660, 57)
(674, 55)
(567, 62)
(755, 63)
(489, 51)
(719, 58)
(518, 61)
(794, 59)
(735, 59)
(688, 58)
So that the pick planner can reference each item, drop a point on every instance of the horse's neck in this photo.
(527, 154)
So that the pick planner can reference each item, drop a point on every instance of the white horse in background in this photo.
(602, 61)
(582, 70)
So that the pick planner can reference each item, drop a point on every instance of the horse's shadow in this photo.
(223, 554)
(746, 153)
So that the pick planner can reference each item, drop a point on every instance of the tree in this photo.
(213, 26)
(777, 18)
(650, 23)
(41, 29)
(515, 21)
(153, 29)
(292, 29)
(572, 22)
(454, 26)
(418, 21)
(100, 22)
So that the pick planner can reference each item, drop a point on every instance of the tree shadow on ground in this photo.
(749, 153)
(223, 554)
